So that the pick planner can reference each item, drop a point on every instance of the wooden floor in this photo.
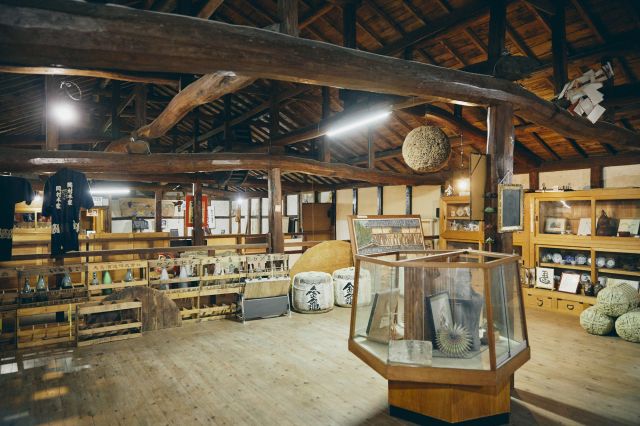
(295, 370)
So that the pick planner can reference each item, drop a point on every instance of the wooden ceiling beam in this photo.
(314, 15)
(199, 46)
(547, 6)
(582, 163)
(208, 8)
(135, 77)
(23, 160)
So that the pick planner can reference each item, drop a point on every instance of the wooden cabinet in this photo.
(457, 230)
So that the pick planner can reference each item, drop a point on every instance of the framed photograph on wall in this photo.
(438, 312)
(569, 282)
(555, 225)
(388, 233)
(510, 208)
(544, 278)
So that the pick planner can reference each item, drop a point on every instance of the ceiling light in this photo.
(110, 191)
(379, 115)
(64, 113)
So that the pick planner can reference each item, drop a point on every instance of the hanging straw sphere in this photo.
(426, 149)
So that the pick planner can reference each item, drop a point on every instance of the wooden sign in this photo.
(381, 234)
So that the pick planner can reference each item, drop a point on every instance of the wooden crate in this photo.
(116, 269)
(106, 328)
(44, 332)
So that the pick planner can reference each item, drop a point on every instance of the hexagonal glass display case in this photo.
(440, 317)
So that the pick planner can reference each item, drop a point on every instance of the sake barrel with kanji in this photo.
(344, 286)
(312, 292)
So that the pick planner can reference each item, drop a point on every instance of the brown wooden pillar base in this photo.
(427, 403)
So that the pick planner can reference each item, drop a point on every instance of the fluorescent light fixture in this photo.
(565, 205)
(64, 113)
(376, 116)
(110, 191)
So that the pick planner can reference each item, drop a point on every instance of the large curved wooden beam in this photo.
(95, 36)
(25, 160)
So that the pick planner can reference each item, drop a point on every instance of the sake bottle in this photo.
(66, 281)
(41, 289)
(106, 279)
(128, 277)
(94, 279)
(164, 275)
(26, 291)
(183, 274)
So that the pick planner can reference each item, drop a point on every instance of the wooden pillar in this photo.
(380, 199)
(51, 97)
(158, 218)
(559, 47)
(115, 102)
(334, 203)
(597, 178)
(198, 232)
(355, 201)
(408, 207)
(228, 137)
(534, 180)
(371, 151)
(324, 153)
(497, 31)
(500, 141)
(288, 17)
(196, 129)
(141, 105)
(349, 25)
(276, 234)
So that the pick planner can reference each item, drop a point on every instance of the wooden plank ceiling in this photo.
(596, 30)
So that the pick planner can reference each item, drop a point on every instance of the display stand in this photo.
(446, 329)
(457, 229)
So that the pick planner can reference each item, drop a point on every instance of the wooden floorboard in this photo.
(293, 371)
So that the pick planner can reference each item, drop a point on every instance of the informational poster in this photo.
(189, 211)
(381, 234)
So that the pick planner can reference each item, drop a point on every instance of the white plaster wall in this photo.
(344, 207)
(368, 200)
(521, 179)
(426, 199)
(621, 176)
(579, 179)
(394, 199)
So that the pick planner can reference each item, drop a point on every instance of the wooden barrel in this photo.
(312, 292)
(344, 286)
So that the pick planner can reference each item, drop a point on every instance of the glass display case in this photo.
(440, 317)
(565, 217)
(617, 217)
(459, 310)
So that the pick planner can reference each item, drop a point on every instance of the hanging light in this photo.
(110, 191)
(64, 113)
(363, 121)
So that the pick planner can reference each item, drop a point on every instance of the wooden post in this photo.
(500, 141)
(288, 16)
(198, 232)
(158, 218)
(497, 31)
(371, 152)
(597, 178)
(141, 105)
(408, 209)
(115, 102)
(355, 201)
(380, 199)
(334, 194)
(228, 138)
(324, 153)
(559, 47)
(52, 132)
(196, 129)
(276, 236)
(534, 180)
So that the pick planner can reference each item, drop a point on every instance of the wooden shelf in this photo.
(561, 266)
(619, 272)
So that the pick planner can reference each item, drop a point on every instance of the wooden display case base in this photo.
(426, 403)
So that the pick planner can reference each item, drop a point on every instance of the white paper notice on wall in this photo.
(596, 113)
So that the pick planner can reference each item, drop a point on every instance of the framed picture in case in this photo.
(555, 225)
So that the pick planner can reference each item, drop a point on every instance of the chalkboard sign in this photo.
(510, 208)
